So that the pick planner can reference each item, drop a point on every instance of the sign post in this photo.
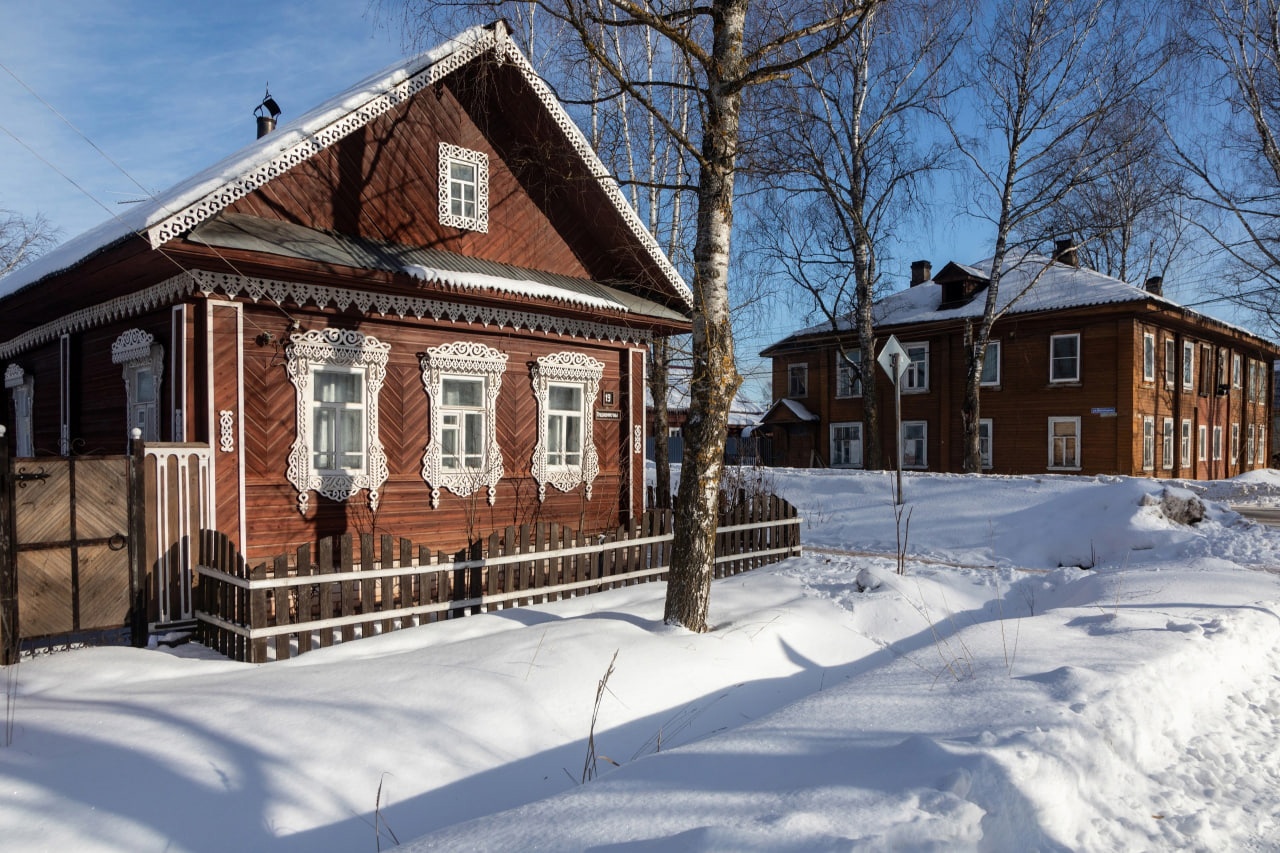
(893, 358)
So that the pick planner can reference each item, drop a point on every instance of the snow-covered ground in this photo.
(996, 696)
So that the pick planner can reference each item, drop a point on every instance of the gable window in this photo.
(1186, 444)
(1064, 443)
(565, 385)
(464, 188)
(1148, 357)
(462, 381)
(798, 380)
(1166, 444)
(20, 388)
(1064, 358)
(984, 441)
(1148, 442)
(1202, 443)
(1188, 365)
(917, 376)
(142, 362)
(915, 436)
(336, 374)
(849, 374)
(846, 445)
(991, 365)
(1170, 362)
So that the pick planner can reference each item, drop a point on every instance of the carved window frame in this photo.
(312, 352)
(566, 368)
(137, 352)
(21, 388)
(478, 160)
(464, 360)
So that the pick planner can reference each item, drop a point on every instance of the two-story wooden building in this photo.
(1084, 374)
(421, 309)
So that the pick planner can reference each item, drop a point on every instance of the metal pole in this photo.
(897, 418)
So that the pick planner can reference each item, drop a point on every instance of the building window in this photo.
(984, 441)
(1186, 444)
(1249, 454)
(565, 385)
(798, 380)
(464, 188)
(1166, 445)
(1188, 365)
(337, 374)
(462, 381)
(1170, 362)
(142, 361)
(1262, 446)
(1235, 370)
(1064, 358)
(1235, 443)
(1217, 443)
(917, 375)
(1064, 443)
(1148, 442)
(1206, 371)
(20, 390)
(1148, 357)
(846, 445)
(1222, 370)
(1202, 452)
(915, 436)
(991, 364)
(849, 374)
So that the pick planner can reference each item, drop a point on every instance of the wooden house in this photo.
(1085, 374)
(421, 308)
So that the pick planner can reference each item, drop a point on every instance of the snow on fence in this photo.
(295, 603)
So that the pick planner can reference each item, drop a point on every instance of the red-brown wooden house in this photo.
(420, 309)
(1085, 374)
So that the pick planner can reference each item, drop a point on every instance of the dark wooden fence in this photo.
(351, 587)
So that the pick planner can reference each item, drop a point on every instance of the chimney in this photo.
(266, 112)
(921, 271)
(1154, 285)
(1064, 252)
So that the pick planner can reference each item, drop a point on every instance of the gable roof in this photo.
(1031, 283)
(181, 208)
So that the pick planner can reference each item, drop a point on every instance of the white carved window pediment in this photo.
(464, 188)
(452, 467)
(356, 364)
(142, 364)
(558, 462)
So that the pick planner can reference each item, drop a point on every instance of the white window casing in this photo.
(337, 375)
(566, 385)
(915, 444)
(464, 188)
(984, 442)
(1148, 442)
(1148, 357)
(991, 365)
(1064, 443)
(917, 376)
(1186, 444)
(462, 381)
(1170, 362)
(1188, 365)
(142, 363)
(1166, 444)
(1064, 357)
(21, 388)
(849, 374)
(1202, 435)
(846, 445)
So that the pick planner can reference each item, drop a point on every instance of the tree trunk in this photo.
(715, 379)
(659, 361)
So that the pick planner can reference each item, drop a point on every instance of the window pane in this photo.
(146, 386)
(566, 398)
(337, 387)
(351, 438)
(325, 438)
(463, 392)
(991, 364)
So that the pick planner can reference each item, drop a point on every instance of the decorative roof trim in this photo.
(200, 281)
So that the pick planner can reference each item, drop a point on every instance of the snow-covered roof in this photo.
(1029, 283)
(741, 411)
(182, 207)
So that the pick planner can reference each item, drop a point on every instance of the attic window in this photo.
(464, 188)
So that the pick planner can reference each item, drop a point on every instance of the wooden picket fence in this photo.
(352, 587)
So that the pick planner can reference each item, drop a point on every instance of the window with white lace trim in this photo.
(464, 188)
(462, 423)
(338, 420)
(564, 425)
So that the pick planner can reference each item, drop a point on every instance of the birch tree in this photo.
(1049, 76)
(23, 239)
(848, 159)
(729, 47)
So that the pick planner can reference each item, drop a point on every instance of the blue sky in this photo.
(164, 89)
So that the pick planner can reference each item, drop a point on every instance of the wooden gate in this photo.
(71, 568)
